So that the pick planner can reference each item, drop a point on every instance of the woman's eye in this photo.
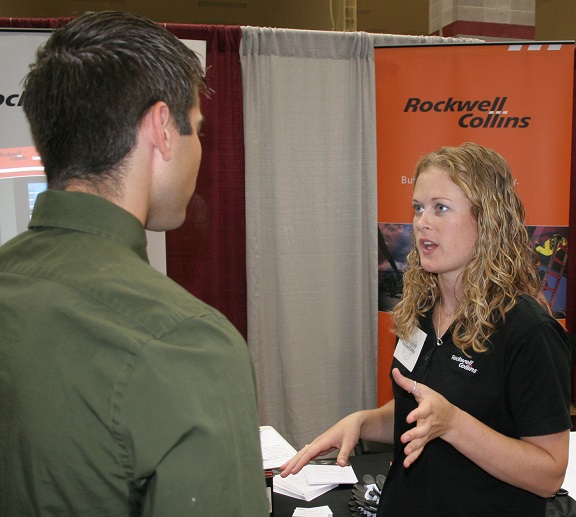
(441, 208)
(417, 209)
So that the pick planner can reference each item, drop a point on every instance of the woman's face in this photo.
(444, 227)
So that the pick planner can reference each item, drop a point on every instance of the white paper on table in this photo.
(318, 511)
(275, 449)
(570, 479)
(327, 474)
(295, 485)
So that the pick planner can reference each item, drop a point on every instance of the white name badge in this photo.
(407, 352)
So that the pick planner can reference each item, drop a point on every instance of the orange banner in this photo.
(513, 98)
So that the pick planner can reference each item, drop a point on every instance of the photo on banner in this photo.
(515, 98)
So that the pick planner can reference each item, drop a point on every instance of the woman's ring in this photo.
(413, 387)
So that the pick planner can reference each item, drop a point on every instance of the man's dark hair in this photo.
(92, 83)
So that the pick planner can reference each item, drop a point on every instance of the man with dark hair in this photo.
(121, 394)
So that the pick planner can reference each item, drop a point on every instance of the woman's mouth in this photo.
(427, 246)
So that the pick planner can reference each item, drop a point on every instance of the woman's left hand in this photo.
(433, 416)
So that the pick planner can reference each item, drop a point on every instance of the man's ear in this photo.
(161, 128)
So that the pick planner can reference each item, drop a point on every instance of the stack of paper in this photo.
(314, 480)
(275, 449)
(327, 474)
(296, 485)
(319, 511)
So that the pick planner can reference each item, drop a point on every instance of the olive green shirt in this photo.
(120, 393)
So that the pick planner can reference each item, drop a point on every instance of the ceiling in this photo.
(380, 16)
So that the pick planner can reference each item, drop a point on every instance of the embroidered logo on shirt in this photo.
(465, 364)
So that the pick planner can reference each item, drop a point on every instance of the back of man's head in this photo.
(91, 84)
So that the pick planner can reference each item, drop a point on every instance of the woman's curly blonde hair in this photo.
(503, 266)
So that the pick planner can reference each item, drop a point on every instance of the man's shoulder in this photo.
(101, 276)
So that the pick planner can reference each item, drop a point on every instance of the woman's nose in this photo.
(422, 221)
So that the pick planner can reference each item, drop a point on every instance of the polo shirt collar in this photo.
(83, 212)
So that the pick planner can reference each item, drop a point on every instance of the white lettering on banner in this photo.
(405, 180)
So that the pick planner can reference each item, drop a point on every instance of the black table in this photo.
(374, 464)
(337, 498)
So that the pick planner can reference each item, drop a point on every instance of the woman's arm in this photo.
(537, 464)
(374, 424)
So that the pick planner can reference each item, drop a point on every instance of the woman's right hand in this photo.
(344, 435)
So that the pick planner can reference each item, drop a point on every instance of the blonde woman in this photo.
(480, 417)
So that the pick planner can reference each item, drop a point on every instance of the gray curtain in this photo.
(310, 144)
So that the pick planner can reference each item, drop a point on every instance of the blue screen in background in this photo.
(33, 190)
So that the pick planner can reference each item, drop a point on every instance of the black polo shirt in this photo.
(519, 387)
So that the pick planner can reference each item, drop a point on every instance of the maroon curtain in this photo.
(207, 255)
(34, 23)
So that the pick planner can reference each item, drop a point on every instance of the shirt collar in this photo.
(83, 212)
